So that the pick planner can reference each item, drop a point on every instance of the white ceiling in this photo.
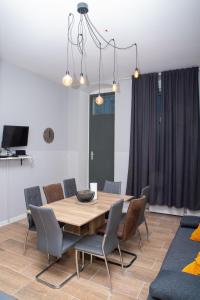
(34, 34)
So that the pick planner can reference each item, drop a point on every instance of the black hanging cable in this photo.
(92, 34)
(106, 41)
(70, 28)
(67, 71)
(99, 67)
(99, 40)
(136, 56)
(114, 62)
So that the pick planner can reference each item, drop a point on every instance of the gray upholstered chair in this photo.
(102, 246)
(51, 239)
(70, 188)
(113, 187)
(145, 192)
(32, 196)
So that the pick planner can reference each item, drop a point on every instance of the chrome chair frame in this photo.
(99, 256)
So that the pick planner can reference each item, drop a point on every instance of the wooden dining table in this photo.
(84, 218)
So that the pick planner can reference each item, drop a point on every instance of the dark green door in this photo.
(101, 145)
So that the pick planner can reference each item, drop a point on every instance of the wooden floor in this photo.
(17, 271)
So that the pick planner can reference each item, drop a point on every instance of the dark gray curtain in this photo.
(143, 135)
(179, 167)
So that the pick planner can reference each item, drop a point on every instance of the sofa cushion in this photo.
(190, 221)
(195, 236)
(194, 267)
(181, 251)
(4, 296)
(172, 285)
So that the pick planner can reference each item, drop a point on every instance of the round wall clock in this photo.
(48, 135)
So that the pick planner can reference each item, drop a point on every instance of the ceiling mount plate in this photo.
(82, 8)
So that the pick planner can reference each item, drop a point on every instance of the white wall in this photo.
(77, 134)
(122, 131)
(28, 99)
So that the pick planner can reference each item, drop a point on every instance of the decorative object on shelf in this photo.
(85, 25)
(48, 135)
(85, 196)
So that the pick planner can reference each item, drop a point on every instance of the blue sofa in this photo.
(171, 283)
(4, 296)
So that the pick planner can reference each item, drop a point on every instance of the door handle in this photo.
(91, 155)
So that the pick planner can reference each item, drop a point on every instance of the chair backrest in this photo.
(32, 196)
(145, 192)
(110, 236)
(133, 216)
(70, 188)
(53, 192)
(112, 187)
(49, 233)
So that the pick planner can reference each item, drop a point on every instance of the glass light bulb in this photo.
(67, 80)
(114, 86)
(136, 73)
(82, 79)
(99, 100)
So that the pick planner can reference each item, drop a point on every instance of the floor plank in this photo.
(17, 271)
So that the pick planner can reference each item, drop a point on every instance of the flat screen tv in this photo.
(14, 136)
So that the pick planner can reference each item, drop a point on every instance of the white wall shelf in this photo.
(20, 157)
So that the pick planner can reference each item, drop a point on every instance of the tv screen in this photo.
(14, 136)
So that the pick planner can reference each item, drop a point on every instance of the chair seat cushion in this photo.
(91, 244)
(69, 240)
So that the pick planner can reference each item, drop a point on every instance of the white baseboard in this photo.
(167, 210)
(12, 220)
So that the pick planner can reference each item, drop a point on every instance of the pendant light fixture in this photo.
(114, 85)
(99, 99)
(67, 79)
(136, 73)
(85, 25)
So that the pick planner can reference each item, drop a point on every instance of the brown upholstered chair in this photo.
(130, 224)
(145, 192)
(53, 192)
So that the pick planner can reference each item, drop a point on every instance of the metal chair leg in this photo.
(83, 259)
(121, 257)
(140, 239)
(108, 271)
(147, 229)
(118, 263)
(77, 267)
(51, 285)
(26, 239)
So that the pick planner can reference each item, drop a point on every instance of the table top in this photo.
(71, 211)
